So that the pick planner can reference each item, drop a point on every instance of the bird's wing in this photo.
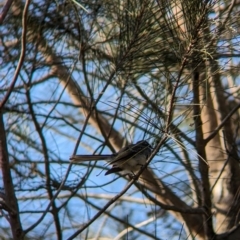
(130, 151)
(125, 153)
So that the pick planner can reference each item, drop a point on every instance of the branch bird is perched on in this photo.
(128, 160)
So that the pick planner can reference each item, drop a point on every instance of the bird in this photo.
(127, 161)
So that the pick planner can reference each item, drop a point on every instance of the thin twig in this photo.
(5, 10)
(22, 55)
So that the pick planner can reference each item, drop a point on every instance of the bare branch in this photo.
(5, 10)
(220, 126)
(22, 55)
(11, 200)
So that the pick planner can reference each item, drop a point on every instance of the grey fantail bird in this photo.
(128, 160)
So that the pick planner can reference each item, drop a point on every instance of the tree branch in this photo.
(22, 55)
(215, 132)
(11, 199)
(5, 10)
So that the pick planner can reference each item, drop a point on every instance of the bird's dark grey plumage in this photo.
(128, 160)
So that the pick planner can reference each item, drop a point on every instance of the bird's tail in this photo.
(87, 158)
